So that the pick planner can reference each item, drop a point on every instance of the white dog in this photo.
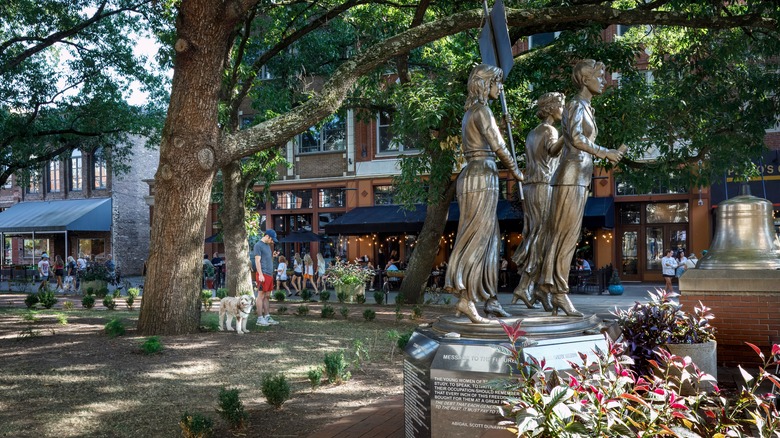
(238, 308)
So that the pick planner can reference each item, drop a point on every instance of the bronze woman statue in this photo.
(570, 184)
(473, 266)
(542, 152)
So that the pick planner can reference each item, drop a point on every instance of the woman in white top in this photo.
(281, 274)
(321, 266)
(297, 274)
(668, 265)
(308, 272)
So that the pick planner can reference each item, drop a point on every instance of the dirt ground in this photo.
(63, 376)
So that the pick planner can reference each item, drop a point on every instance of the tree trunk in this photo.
(234, 235)
(183, 181)
(421, 262)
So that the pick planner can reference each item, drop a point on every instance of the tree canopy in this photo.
(66, 72)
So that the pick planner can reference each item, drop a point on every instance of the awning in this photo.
(394, 219)
(599, 213)
(68, 215)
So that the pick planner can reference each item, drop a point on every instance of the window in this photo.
(35, 182)
(33, 248)
(386, 141)
(673, 212)
(625, 188)
(55, 174)
(330, 136)
(331, 197)
(326, 218)
(629, 214)
(92, 247)
(541, 39)
(384, 195)
(76, 175)
(291, 199)
(101, 174)
(246, 121)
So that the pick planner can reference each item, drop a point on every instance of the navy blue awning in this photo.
(394, 219)
(67, 215)
(599, 213)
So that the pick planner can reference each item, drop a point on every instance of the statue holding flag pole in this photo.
(473, 272)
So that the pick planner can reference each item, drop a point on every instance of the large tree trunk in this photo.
(183, 181)
(234, 235)
(421, 262)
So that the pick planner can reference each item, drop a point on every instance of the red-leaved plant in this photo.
(602, 397)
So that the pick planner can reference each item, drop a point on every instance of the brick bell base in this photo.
(746, 305)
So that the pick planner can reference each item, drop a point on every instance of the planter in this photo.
(351, 290)
(209, 283)
(96, 286)
(705, 357)
(615, 289)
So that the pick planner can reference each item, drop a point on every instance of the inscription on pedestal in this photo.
(420, 351)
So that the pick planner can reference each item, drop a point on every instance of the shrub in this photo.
(360, 298)
(417, 312)
(379, 297)
(97, 272)
(31, 300)
(205, 298)
(403, 339)
(399, 299)
(348, 274)
(276, 389)
(109, 302)
(88, 301)
(132, 294)
(67, 305)
(600, 396)
(30, 316)
(306, 295)
(399, 312)
(114, 328)
(369, 315)
(279, 296)
(336, 367)
(281, 310)
(47, 298)
(61, 319)
(231, 409)
(221, 293)
(302, 310)
(196, 426)
(325, 296)
(315, 377)
(151, 345)
(117, 293)
(328, 311)
(90, 291)
(342, 297)
(102, 292)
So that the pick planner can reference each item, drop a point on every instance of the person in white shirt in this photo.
(43, 272)
(281, 274)
(668, 266)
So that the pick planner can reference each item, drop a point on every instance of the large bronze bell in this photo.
(744, 235)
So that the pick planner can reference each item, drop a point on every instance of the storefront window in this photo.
(92, 247)
(655, 247)
(674, 213)
(326, 218)
(291, 199)
(331, 197)
(630, 214)
(33, 248)
(384, 195)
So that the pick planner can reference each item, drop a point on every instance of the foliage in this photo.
(151, 345)
(30, 316)
(306, 294)
(416, 312)
(114, 328)
(279, 296)
(369, 315)
(361, 354)
(379, 297)
(132, 294)
(231, 409)
(102, 292)
(196, 426)
(281, 310)
(96, 272)
(221, 293)
(276, 389)
(67, 305)
(344, 311)
(324, 296)
(360, 298)
(615, 279)
(31, 300)
(342, 296)
(109, 302)
(206, 298)
(403, 339)
(343, 273)
(336, 367)
(315, 377)
(208, 270)
(88, 301)
(660, 320)
(47, 298)
(328, 311)
(601, 396)
(302, 310)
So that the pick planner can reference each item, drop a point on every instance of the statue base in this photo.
(448, 365)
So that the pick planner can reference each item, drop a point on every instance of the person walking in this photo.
(70, 274)
(321, 268)
(308, 272)
(281, 274)
(297, 274)
(43, 272)
(263, 262)
(59, 272)
(668, 266)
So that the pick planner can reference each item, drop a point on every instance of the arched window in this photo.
(76, 172)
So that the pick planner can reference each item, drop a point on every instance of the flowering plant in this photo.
(348, 274)
(601, 396)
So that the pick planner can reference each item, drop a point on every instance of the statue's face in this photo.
(557, 113)
(495, 89)
(595, 82)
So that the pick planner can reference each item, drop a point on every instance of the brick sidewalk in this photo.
(383, 419)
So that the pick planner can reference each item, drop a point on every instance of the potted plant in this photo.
(661, 323)
(96, 277)
(209, 272)
(615, 287)
(349, 278)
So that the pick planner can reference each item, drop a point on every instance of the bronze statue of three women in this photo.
(555, 197)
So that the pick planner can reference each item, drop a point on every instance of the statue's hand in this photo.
(614, 155)
(519, 175)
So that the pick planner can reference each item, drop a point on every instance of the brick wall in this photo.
(321, 165)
